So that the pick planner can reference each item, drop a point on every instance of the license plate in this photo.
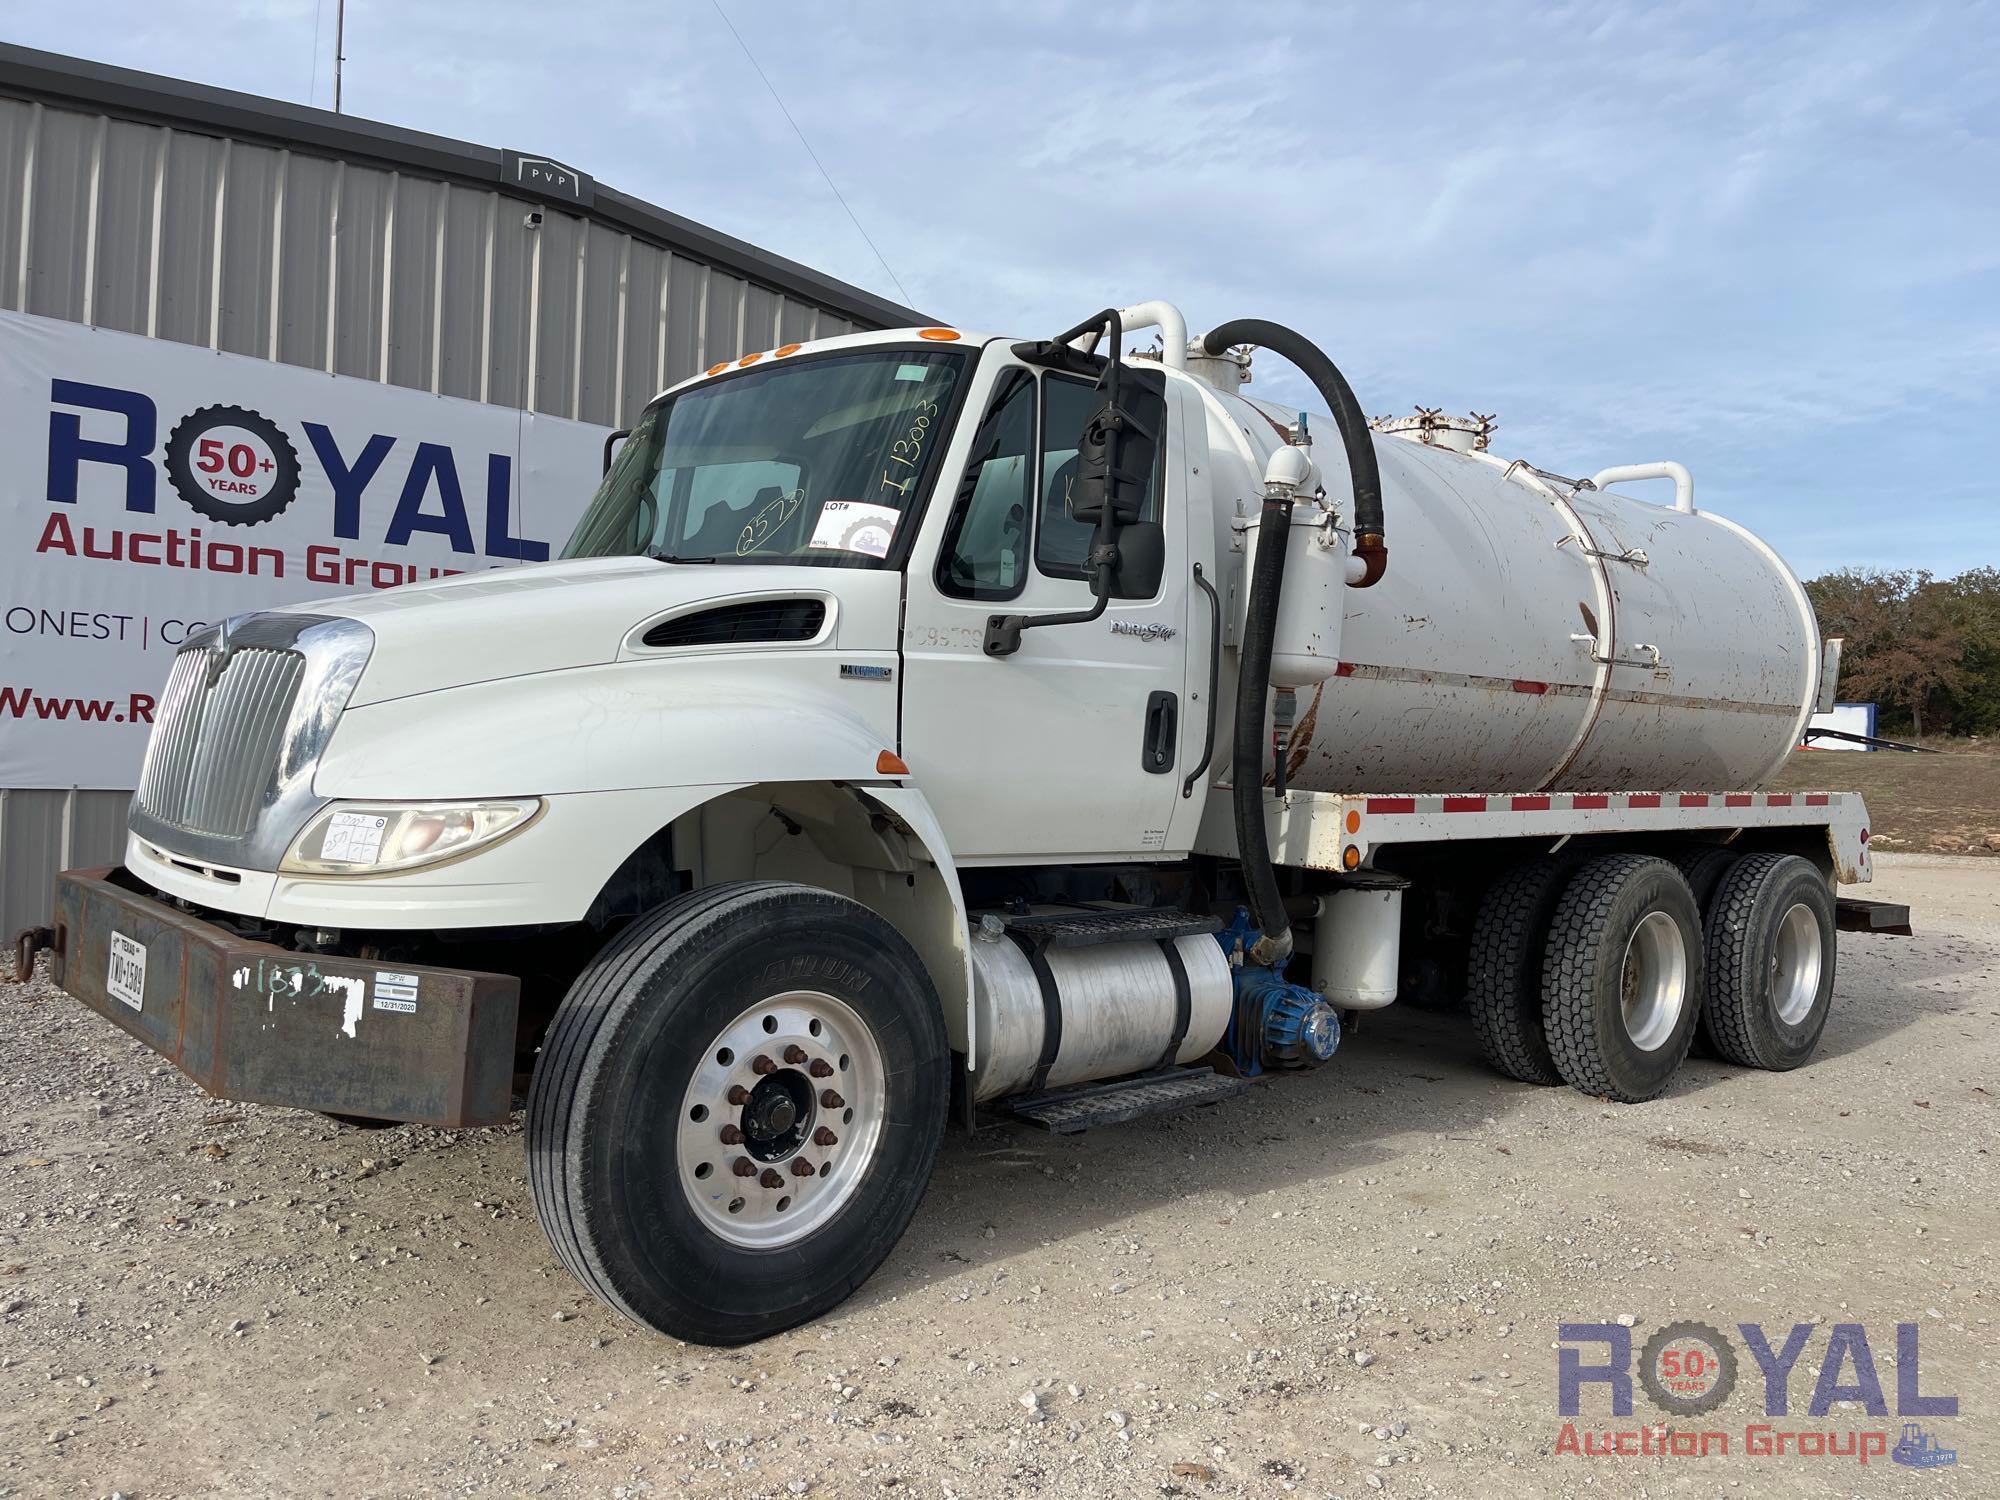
(126, 981)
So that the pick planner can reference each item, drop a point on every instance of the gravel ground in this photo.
(1348, 1283)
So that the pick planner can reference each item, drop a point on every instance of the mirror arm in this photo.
(1003, 632)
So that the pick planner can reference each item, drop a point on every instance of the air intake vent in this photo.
(753, 621)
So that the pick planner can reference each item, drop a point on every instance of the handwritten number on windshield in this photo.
(908, 450)
(768, 520)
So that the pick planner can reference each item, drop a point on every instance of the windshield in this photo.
(817, 460)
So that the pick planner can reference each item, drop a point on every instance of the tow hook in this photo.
(29, 942)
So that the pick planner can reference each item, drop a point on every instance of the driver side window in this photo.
(986, 547)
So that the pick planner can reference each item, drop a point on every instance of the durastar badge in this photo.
(1145, 632)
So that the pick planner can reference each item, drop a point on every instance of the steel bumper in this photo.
(252, 1021)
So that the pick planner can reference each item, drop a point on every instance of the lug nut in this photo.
(738, 1094)
(771, 1178)
(760, 1064)
(825, 1137)
(821, 1068)
(744, 1167)
(828, 1099)
(802, 1168)
(795, 1054)
(732, 1135)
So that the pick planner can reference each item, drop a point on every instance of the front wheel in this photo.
(736, 1110)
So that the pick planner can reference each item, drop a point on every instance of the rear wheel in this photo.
(1504, 974)
(1622, 977)
(1770, 959)
(1704, 865)
(737, 1109)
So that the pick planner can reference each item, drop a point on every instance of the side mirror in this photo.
(1142, 558)
(1096, 483)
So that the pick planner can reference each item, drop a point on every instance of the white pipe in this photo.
(1683, 481)
(1165, 317)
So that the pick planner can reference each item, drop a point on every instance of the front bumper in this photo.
(383, 1039)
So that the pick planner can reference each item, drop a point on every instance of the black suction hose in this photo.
(1274, 533)
(1334, 390)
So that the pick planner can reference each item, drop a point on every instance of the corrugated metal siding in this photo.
(347, 266)
(360, 270)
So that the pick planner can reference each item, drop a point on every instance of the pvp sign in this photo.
(153, 487)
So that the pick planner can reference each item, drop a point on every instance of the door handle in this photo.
(1162, 719)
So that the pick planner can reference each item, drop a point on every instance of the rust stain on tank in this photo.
(1589, 619)
(1302, 734)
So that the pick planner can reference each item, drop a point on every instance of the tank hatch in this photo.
(1435, 428)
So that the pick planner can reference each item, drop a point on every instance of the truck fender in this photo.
(875, 841)
(938, 928)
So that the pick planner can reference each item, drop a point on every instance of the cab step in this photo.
(1067, 1111)
(1085, 926)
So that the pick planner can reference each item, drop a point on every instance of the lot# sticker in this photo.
(855, 526)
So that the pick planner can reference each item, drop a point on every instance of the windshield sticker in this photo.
(855, 526)
(912, 372)
(768, 520)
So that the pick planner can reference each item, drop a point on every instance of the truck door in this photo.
(1074, 746)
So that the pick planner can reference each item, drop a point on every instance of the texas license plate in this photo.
(126, 981)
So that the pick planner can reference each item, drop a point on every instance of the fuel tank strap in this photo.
(1183, 1000)
(1052, 1019)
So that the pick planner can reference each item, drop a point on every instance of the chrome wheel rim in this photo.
(1653, 981)
(1795, 964)
(781, 1119)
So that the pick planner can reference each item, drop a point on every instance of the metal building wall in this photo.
(361, 270)
(258, 228)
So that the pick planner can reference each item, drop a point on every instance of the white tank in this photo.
(1530, 634)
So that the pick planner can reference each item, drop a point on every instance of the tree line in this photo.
(1926, 649)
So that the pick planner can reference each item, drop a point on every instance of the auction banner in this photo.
(148, 488)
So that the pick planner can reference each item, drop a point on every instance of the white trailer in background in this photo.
(929, 714)
(1845, 726)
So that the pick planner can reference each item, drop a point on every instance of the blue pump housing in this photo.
(1275, 1023)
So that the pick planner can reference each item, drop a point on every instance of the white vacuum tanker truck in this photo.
(924, 723)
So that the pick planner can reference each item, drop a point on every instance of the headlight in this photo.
(364, 838)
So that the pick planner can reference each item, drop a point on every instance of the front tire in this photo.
(737, 1109)
(1623, 977)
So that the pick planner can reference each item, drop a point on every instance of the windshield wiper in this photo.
(669, 557)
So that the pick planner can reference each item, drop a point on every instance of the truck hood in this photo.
(546, 617)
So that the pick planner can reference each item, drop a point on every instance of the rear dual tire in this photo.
(1770, 962)
(754, 1025)
(1622, 977)
(1504, 971)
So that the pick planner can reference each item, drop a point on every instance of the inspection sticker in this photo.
(353, 838)
(396, 992)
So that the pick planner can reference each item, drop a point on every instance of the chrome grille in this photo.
(216, 740)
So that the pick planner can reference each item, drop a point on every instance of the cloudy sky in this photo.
(1760, 238)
